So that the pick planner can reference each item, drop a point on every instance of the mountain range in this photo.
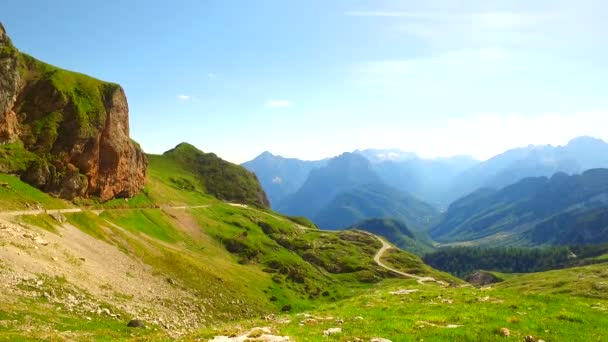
(100, 241)
(562, 209)
(348, 190)
(580, 154)
(280, 176)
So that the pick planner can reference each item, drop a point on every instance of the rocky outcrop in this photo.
(74, 128)
(9, 83)
(482, 278)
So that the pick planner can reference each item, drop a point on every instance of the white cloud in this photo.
(278, 103)
(277, 180)
(184, 97)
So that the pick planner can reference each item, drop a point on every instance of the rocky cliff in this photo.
(64, 132)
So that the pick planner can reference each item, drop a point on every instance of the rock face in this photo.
(9, 83)
(482, 278)
(73, 130)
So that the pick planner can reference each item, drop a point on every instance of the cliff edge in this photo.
(64, 132)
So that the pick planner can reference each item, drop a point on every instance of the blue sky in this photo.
(311, 79)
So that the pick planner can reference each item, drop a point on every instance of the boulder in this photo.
(136, 323)
(482, 278)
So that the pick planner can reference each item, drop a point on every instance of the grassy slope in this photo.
(16, 195)
(325, 274)
(218, 251)
(222, 179)
(565, 305)
(397, 233)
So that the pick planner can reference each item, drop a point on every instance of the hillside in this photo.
(463, 261)
(564, 305)
(397, 233)
(281, 177)
(173, 256)
(222, 179)
(558, 210)
(375, 201)
(64, 132)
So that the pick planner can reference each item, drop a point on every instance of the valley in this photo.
(101, 241)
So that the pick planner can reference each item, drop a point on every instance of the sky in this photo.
(314, 78)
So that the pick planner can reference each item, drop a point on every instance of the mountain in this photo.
(64, 132)
(427, 179)
(341, 173)
(280, 176)
(222, 179)
(575, 227)
(562, 209)
(384, 155)
(580, 154)
(396, 232)
(173, 259)
(374, 200)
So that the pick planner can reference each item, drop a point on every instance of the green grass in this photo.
(44, 221)
(164, 191)
(479, 314)
(17, 195)
(222, 179)
(58, 323)
(412, 264)
(151, 222)
(15, 158)
(586, 281)
(89, 223)
(222, 254)
(83, 93)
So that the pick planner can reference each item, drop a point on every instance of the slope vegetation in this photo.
(371, 201)
(65, 132)
(397, 233)
(565, 305)
(174, 257)
(224, 180)
(535, 211)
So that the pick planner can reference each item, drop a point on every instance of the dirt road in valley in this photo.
(378, 259)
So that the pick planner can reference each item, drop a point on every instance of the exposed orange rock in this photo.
(77, 128)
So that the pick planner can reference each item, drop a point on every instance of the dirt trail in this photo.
(383, 249)
(79, 210)
(377, 258)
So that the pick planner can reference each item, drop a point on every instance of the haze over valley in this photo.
(423, 171)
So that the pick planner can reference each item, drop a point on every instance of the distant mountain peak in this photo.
(266, 154)
(384, 155)
(586, 140)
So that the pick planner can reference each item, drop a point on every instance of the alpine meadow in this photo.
(233, 171)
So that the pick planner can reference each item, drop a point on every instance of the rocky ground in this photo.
(58, 267)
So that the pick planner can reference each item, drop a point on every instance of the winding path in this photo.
(378, 259)
(79, 210)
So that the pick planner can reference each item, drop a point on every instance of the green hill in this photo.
(173, 256)
(396, 232)
(224, 180)
(64, 132)
(535, 211)
(564, 305)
